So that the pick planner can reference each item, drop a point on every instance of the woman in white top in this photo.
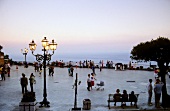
(88, 82)
(92, 80)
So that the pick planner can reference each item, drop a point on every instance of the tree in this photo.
(155, 50)
(6, 57)
(1, 48)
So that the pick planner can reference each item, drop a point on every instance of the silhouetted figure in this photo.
(158, 90)
(32, 81)
(49, 71)
(71, 71)
(117, 96)
(24, 83)
(93, 69)
(3, 73)
(40, 71)
(150, 88)
(52, 70)
(88, 82)
(8, 71)
(133, 98)
(124, 97)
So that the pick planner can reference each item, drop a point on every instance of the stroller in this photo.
(100, 86)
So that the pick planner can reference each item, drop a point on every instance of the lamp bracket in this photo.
(40, 57)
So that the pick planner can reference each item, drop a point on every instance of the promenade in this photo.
(61, 95)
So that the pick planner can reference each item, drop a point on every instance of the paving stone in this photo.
(61, 95)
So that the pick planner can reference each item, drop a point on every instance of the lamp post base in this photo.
(45, 103)
(76, 109)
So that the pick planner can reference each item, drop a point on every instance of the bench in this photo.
(118, 99)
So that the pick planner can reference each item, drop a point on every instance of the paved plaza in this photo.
(61, 95)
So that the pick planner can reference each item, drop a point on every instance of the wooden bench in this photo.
(118, 99)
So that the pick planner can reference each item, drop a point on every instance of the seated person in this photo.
(117, 96)
(124, 97)
(133, 98)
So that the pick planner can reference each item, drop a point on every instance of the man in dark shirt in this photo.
(24, 83)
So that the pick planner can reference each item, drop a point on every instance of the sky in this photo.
(81, 26)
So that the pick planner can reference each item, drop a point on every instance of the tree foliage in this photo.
(154, 50)
(1, 48)
(6, 56)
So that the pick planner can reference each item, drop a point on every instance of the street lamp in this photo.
(24, 52)
(45, 57)
(75, 100)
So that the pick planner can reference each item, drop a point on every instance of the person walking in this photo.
(3, 73)
(40, 71)
(150, 88)
(80, 64)
(76, 65)
(32, 81)
(8, 70)
(52, 70)
(24, 83)
(71, 70)
(156, 73)
(88, 82)
(100, 65)
(92, 80)
(49, 70)
(93, 69)
(35, 66)
(158, 89)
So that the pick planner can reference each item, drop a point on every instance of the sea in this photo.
(123, 58)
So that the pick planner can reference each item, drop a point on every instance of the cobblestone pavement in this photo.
(61, 95)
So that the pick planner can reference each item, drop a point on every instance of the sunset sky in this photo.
(82, 26)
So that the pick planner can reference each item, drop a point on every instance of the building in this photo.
(1, 58)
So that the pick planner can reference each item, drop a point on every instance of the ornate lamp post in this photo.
(24, 52)
(45, 57)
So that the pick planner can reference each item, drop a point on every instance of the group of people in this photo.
(24, 82)
(86, 64)
(37, 66)
(157, 88)
(125, 97)
(90, 81)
